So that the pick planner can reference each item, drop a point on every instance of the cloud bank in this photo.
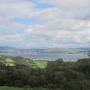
(66, 24)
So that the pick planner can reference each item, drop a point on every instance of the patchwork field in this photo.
(12, 61)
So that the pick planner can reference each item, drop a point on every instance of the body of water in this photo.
(49, 56)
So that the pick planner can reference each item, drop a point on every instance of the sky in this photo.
(45, 23)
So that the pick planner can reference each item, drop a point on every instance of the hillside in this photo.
(12, 61)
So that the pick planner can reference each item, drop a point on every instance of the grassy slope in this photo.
(12, 88)
(11, 61)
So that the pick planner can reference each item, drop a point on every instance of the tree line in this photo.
(66, 75)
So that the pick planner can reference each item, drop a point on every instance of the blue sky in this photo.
(45, 23)
(31, 21)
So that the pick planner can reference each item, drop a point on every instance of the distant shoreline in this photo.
(49, 57)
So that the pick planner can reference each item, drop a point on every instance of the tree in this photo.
(89, 54)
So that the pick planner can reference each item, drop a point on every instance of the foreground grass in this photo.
(12, 88)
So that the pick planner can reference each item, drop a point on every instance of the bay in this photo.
(49, 56)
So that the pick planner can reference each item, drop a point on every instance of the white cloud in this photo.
(18, 8)
(69, 3)
(65, 25)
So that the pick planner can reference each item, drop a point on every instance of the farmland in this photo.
(12, 61)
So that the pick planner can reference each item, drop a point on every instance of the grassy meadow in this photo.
(13, 88)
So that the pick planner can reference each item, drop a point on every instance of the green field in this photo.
(12, 61)
(12, 88)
